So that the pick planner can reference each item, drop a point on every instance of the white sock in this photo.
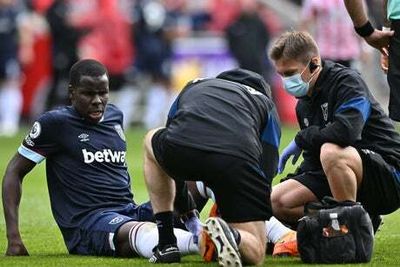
(144, 237)
(194, 226)
(185, 242)
(275, 229)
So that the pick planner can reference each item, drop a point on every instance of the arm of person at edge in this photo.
(378, 39)
(351, 112)
(16, 170)
(270, 145)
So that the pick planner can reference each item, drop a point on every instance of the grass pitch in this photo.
(46, 247)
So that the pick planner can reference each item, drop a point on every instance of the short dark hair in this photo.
(85, 67)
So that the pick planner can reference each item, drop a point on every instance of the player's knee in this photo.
(278, 204)
(329, 153)
(253, 249)
(332, 156)
(260, 258)
(257, 260)
(257, 257)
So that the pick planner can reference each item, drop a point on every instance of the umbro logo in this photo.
(83, 137)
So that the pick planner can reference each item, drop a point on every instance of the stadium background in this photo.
(195, 54)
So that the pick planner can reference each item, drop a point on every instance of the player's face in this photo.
(289, 67)
(90, 97)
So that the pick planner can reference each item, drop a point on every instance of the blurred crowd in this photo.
(151, 49)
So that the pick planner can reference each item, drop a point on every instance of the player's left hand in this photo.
(291, 150)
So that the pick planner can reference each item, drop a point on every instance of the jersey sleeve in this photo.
(173, 110)
(41, 141)
(270, 139)
(351, 111)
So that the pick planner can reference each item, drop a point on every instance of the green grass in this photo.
(46, 247)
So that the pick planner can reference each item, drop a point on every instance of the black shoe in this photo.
(377, 221)
(169, 254)
(222, 237)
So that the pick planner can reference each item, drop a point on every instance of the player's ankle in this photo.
(164, 221)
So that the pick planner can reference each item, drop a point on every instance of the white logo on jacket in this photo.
(306, 122)
(324, 108)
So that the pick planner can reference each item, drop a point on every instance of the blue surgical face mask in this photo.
(295, 85)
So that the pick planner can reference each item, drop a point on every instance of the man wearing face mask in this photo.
(350, 148)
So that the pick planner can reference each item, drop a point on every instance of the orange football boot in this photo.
(207, 247)
(286, 246)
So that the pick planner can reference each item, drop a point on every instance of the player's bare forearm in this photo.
(11, 194)
(11, 200)
(386, 21)
(356, 10)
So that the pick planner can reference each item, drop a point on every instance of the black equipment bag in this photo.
(335, 232)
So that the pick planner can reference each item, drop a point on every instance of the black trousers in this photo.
(393, 75)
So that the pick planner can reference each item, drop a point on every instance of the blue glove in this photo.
(291, 150)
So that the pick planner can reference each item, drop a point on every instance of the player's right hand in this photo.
(380, 40)
(16, 249)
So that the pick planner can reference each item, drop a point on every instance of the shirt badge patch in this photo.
(324, 108)
(83, 137)
(306, 123)
(35, 131)
(116, 220)
(119, 131)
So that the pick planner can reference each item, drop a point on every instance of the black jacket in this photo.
(342, 111)
(224, 116)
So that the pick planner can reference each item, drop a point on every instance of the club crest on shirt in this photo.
(35, 131)
(116, 220)
(119, 131)
(324, 108)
